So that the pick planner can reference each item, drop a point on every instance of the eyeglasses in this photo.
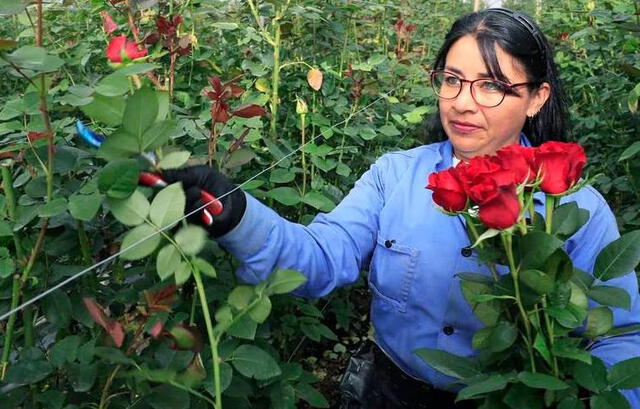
(486, 92)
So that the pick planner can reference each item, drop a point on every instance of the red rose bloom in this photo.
(118, 45)
(520, 160)
(560, 165)
(448, 191)
(493, 188)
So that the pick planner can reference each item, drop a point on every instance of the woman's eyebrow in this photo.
(458, 72)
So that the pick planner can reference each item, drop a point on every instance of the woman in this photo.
(497, 85)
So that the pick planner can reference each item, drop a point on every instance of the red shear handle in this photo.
(213, 205)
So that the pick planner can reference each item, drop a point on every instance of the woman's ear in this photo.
(538, 99)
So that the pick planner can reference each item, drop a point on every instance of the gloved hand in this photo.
(203, 177)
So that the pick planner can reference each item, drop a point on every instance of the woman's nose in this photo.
(465, 101)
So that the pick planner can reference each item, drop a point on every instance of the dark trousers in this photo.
(373, 381)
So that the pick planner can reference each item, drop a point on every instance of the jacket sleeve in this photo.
(600, 230)
(330, 251)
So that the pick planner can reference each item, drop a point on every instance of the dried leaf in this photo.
(108, 24)
(314, 78)
(113, 328)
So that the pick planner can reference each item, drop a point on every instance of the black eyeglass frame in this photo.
(508, 88)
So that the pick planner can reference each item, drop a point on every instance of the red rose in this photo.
(520, 160)
(560, 165)
(448, 191)
(118, 45)
(501, 212)
(493, 188)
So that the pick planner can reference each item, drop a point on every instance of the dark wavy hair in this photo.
(517, 34)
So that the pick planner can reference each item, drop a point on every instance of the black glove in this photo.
(203, 177)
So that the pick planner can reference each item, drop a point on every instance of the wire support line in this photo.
(163, 229)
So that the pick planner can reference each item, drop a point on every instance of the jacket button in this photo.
(448, 330)
(388, 243)
(466, 251)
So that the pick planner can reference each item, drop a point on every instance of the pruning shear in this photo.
(153, 179)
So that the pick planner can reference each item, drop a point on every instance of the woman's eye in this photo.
(451, 80)
(492, 86)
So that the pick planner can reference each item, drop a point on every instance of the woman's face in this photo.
(477, 130)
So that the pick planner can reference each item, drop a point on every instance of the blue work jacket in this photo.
(389, 224)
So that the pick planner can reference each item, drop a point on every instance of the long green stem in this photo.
(275, 80)
(212, 339)
(15, 297)
(550, 334)
(550, 202)
(303, 157)
(473, 233)
(507, 242)
(85, 247)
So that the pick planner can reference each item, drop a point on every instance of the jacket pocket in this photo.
(392, 271)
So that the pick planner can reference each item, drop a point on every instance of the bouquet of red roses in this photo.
(534, 348)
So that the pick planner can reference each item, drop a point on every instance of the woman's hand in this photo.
(197, 178)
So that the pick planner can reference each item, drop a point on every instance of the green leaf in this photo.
(285, 281)
(571, 402)
(241, 296)
(449, 364)
(592, 377)
(540, 345)
(610, 296)
(113, 85)
(415, 116)
(169, 397)
(168, 261)
(113, 356)
(158, 135)
(609, 400)
(502, 336)
(35, 59)
(204, 267)
(244, 328)
(599, 321)
(570, 348)
(491, 384)
(630, 152)
(174, 160)
(119, 179)
(625, 374)
(281, 176)
(191, 239)
(253, 362)
(389, 130)
(286, 195)
(168, 206)
(64, 351)
(319, 201)
(26, 372)
(57, 309)
(182, 273)
(108, 110)
(53, 208)
(239, 158)
(85, 207)
(311, 395)
(538, 281)
(82, 376)
(119, 145)
(619, 257)
(567, 219)
(7, 265)
(140, 113)
(137, 68)
(542, 381)
(261, 310)
(134, 248)
(131, 211)
(487, 312)
(536, 247)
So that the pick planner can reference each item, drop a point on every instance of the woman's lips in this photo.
(464, 126)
